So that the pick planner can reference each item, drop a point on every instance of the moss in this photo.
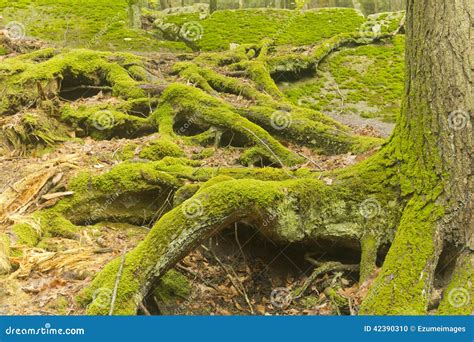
(59, 305)
(26, 234)
(28, 78)
(369, 247)
(160, 148)
(252, 25)
(97, 24)
(43, 224)
(458, 295)
(128, 151)
(172, 286)
(34, 129)
(185, 192)
(338, 301)
(125, 177)
(402, 290)
(371, 77)
(310, 302)
(206, 111)
(204, 153)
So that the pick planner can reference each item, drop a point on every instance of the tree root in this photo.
(331, 215)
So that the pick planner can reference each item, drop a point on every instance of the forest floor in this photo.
(235, 272)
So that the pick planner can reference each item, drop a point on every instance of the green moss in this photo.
(96, 24)
(43, 224)
(31, 76)
(100, 122)
(34, 130)
(310, 302)
(458, 295)
(252, 25)
(58, 305)
(160, 148)
(371, 77)
(402, 290)
(26, 234)
(173, 285)
(128, 151)
(206, 111)
(204, 153)
(369, 246)
(185, 192)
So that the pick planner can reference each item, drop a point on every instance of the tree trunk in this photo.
(212, 6)
(163, 4)
(434, 142)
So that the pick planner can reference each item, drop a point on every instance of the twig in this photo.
(197, 275)
(87, 87)
(310, 160)
(117, 281)
(144, 309)
(240, 246)
(325, 267)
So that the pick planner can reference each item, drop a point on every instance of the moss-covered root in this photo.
(369, 247)
(173, 237)
(404, 285)
(46, 73)
(193, 107)
(273, 207)
(458, 297)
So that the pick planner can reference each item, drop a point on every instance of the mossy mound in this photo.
(222, 28)
(47, 73)
(95, 24)
(366, 80)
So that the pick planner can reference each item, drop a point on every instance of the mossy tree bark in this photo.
(434, 147)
